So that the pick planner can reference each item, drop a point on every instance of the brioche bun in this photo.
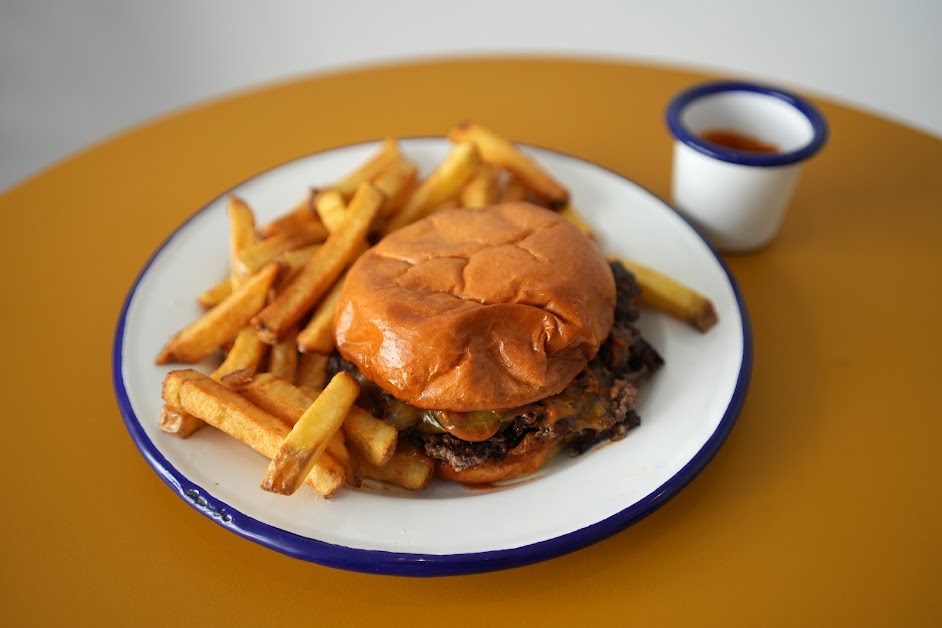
(477, 309)
(530, 456)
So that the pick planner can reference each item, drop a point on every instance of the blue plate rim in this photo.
(414, 564)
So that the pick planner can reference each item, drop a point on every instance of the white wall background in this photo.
(75, 72)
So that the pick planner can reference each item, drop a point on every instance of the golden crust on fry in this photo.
(663, 292)
(301, 214)
(228, 411)
(443, 184)
(387, 153)
(500, 152)
(318, 334)
(307, 441)
(409, 467)
(241, 236)
(373, 439)
(319, 274)
(220, 325)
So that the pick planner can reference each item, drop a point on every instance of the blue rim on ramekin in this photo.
(680, 102)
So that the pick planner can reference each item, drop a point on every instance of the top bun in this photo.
(477, 309)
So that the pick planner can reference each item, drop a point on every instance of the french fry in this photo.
(301, 214)
(663, 292)
(483, 188)
(319, 274)
(332, 208)
(308, 439)
(443, 183)
(374, 440)
(337, 448)
(318, 334)
(451, 203)
(409, 468)
(312, 371)
(246, 354)
(241, 236)
(277, 396)
(171, 387)
(220, 325)
(288, 402)
(388, 151)
(254, 257)
(497, 150)
(283, 359)
(514, 191)
(396, 181)
(292, 262)
(231, 413)
(216, 294)
(573, 215)
(236, 380)
(301, 220)
(178, 422)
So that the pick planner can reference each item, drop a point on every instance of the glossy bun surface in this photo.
(477, 309)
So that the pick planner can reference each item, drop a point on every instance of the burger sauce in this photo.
(737, 141)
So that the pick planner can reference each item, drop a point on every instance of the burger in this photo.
(494, 339)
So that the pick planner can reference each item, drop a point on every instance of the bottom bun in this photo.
(529, 456)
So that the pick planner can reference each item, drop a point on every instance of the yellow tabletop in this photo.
(822, 507)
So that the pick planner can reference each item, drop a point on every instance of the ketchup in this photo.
(737, 141)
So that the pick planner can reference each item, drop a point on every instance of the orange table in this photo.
(822, 507)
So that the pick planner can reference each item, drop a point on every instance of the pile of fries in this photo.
(272, 316)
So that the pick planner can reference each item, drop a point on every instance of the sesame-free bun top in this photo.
(477, 309)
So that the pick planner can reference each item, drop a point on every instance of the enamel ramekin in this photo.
(738, 198)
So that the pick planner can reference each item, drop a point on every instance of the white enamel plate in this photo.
(687, 409)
